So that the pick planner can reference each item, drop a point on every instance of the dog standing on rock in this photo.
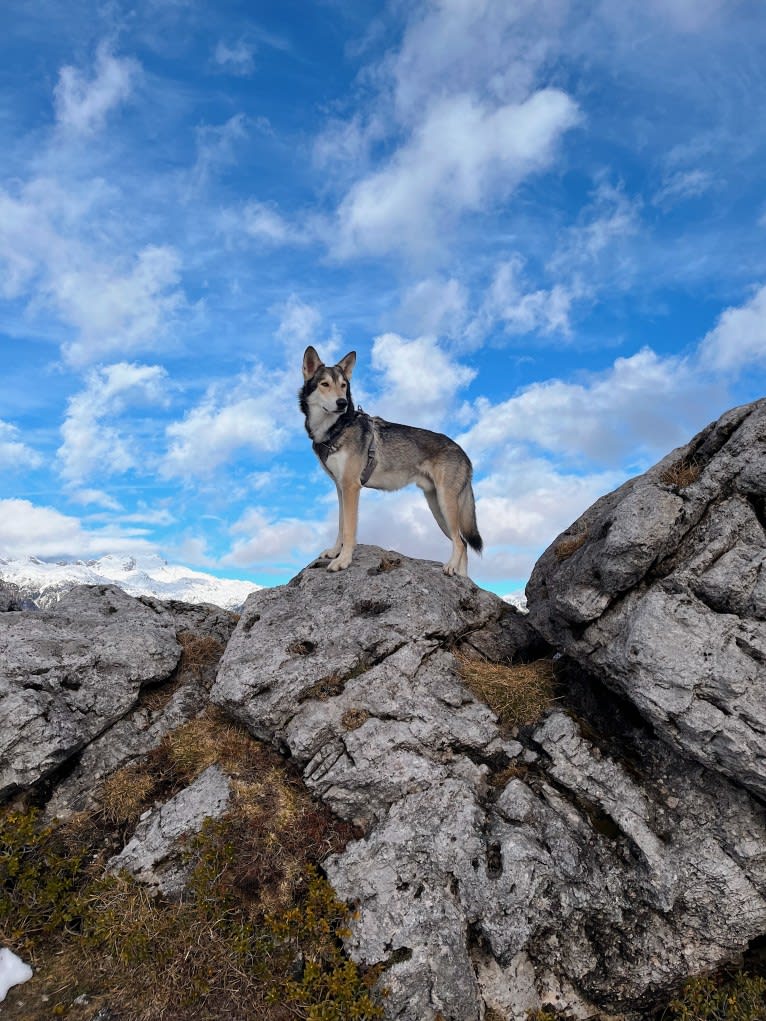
(357, 450)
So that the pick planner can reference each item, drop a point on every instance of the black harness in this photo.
(330, 443)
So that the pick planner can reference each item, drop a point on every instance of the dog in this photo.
(358, 450)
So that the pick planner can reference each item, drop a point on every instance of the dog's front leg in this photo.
(333, 551)
(349, 501)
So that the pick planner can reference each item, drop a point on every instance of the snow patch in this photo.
(44, 583)
(13, 971)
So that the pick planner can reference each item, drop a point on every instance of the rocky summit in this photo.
(585, 857)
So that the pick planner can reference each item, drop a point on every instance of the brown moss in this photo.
(519, 694)
(352, 719)
(125, 794)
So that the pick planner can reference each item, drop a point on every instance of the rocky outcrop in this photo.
(588, 861)
(67, 675)
(660, 589)
(492, 871)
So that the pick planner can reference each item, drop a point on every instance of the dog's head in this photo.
(327, 388)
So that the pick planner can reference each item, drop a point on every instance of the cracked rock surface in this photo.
(67, 674)
(660, 589)
(586, 873)
(152, 855)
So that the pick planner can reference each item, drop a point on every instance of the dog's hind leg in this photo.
(450, 525)
(349, 498)
(333, 551)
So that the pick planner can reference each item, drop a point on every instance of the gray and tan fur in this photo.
(357, 450)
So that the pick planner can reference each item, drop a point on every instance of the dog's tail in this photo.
(467, 518)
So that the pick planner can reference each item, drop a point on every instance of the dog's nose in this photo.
(341, 404)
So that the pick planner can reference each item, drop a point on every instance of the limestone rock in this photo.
(491, 872)
(203, 632)
(660, 589)
(152, 855)
(68, 674)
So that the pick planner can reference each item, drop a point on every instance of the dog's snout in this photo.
(341, 404)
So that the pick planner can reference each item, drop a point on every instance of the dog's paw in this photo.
(339, 564)
(329, 554)
(450, 569)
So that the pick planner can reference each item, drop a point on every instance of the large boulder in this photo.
(68, 674)
(590, 873)
(660, 589)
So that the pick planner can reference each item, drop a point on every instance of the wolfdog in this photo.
(358, 450)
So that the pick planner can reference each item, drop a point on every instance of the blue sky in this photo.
(540, 223)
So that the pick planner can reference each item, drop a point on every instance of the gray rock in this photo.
(665, 598)
(153, 854)
(68, 674)
(144, 727)
(584, 881)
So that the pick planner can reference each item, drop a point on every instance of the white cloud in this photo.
(83, 104)
(243, 415)
(113, 304)
(683, 184)
(521, 311)
(471, 44)
(217, 146)
(276, 541)
(464, 154)
(597, 242)
(28, 529)
(739, 337)
(114, 311)
(434, 307)
(89, 444)
(236, 58)
(419, 380)
(13, 452)
(298, 323)
(95, 497)
(644, 403)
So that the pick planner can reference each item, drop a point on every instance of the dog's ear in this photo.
(311, 363)
(346, 365)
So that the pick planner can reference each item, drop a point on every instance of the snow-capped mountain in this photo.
(43, 583)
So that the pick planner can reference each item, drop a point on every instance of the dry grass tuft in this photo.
(255, 935)
(567, 547)
(518, 695)
(125, 794)
(200, 654)
(682, 473)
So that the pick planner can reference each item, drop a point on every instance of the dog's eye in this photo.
(324, 383)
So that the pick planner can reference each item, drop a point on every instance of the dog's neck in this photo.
(320, 423)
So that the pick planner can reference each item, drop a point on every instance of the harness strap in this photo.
(324, 448)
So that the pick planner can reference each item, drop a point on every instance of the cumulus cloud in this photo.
(243, 415)
(739, 337)
(269, 541)
(14, 453)
(114, 304)
(419, 381)
(28, 529)
(642, 404)
(464, 154)
(92, 445)
(82, 104)
(116, 311)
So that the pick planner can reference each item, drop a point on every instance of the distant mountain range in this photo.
(43, 583)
